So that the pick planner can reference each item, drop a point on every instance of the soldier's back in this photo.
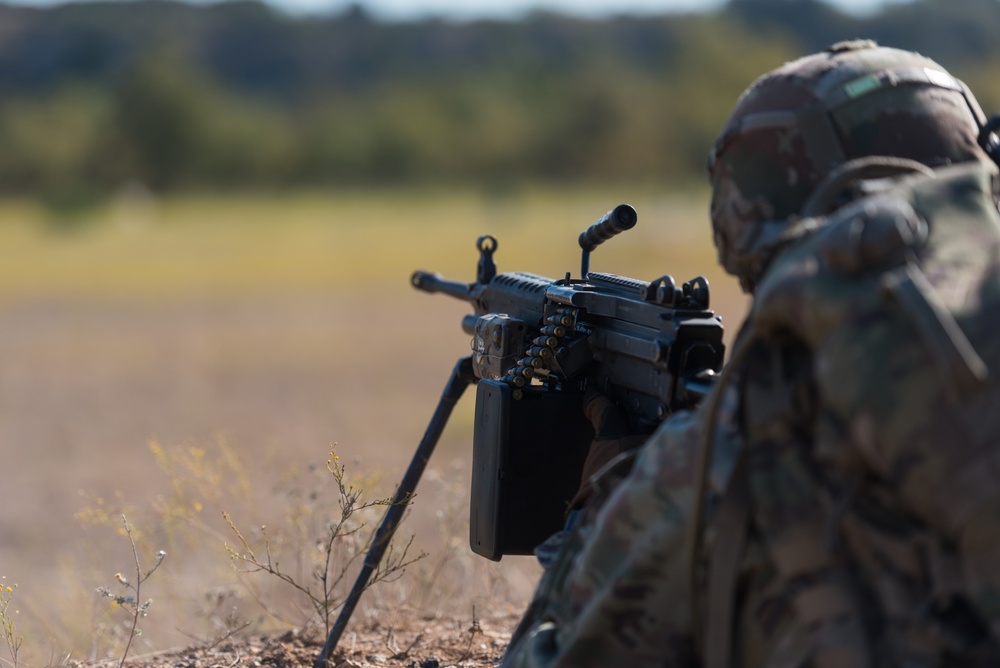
(897, 302)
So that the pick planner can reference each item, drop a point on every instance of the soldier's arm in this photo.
(617, 594)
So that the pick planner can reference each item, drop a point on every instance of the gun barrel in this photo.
(622, 217)
(433, 282)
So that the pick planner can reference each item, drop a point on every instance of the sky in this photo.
(402, 10)
(467, 9)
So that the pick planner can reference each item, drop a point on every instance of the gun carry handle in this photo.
(622, 217)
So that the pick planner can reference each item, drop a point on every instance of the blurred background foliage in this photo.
(239, 198)
(235, 96)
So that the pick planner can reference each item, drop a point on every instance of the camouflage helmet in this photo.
(795, 126)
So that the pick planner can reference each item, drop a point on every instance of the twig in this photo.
(131, 603)
(474, 628)
(138, 584)
(230, 634)
(406, 652)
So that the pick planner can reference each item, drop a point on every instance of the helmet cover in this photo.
(796, 124)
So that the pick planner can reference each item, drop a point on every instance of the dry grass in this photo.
(270, 328)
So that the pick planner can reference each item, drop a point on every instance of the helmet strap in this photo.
(988, 139)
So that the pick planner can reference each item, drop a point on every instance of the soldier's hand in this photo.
(612, 437)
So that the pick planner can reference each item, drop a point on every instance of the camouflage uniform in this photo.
(833, 502)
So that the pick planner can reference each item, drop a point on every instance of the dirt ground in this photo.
(269, 375)
(420, 642)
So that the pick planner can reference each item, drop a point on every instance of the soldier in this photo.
(835, 500)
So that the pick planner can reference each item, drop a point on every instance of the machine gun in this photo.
(538, 345)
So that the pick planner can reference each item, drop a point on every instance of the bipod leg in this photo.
(460, 378)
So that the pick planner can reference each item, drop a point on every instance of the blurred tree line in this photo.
(236, 95)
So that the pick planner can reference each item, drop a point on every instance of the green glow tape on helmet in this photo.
(863, 85)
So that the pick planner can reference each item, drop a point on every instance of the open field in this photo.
(243, 337)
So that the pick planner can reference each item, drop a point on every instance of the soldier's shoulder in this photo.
(817, 283)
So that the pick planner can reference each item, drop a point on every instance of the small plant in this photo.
(10, 634)
(338, 546)
(474, 629)
(129, 600)
(222, 614)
